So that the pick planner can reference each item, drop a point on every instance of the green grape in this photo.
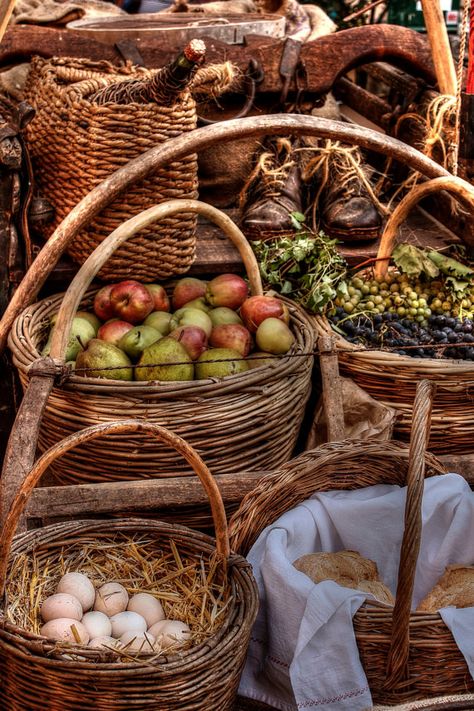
(370, 305)
(412, 311)
(365, 289)
(374, 289)
(394, 287)
(348, 307)
(414, 303)
(401, 311)
(378, 299)
(358, 283)
(380, 308)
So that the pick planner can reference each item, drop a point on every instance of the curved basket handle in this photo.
(397, 661)
(461, 188)
(113, 428)
(127, 230)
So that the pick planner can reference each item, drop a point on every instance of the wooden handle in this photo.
(440, 47)
(397, 662)
(127, 230)
(459, 187)
(103, 430)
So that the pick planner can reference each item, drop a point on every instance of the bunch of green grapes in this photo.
(407, 298)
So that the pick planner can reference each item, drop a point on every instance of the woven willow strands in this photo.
(434, 664)
(76, 144)
(39, 674)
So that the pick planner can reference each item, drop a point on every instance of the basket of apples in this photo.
(219, 362)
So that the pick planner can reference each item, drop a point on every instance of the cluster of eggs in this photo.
(108, 618)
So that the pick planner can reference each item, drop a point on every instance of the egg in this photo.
(137, 641)
(61, 631)
(59, 606)
(111, 599)
(148, 607)
(170, 633)
(103, 642)
(125, 622)
(97, 624)
(80, 586)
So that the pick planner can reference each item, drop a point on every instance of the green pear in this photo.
(222, 315)
(79, 336)
(207, 367)
(160, 321)
(100, 354)
(92, 318)
(199, 303)
(261, 358)
(134, 342)
(274, 336)
(158, 355)
(191, 317)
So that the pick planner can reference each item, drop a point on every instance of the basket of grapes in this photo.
(410, 317)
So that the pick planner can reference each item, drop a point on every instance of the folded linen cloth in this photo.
(303, 653)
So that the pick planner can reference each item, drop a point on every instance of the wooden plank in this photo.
(325, 59)
(74, 500)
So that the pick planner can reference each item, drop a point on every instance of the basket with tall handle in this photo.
(406, 655)
(249, 421)
(38, 673)
(392, 378)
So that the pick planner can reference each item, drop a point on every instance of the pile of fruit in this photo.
(108, 618)
(206, 329)
(410, 316)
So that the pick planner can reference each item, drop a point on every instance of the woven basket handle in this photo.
(113, 428)
(397, 662)
(127, 230)
(459, 187)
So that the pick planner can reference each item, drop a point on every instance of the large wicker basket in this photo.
(38, 674)
(245, 422)
(76, 144)
(392, 378)
(406, 655)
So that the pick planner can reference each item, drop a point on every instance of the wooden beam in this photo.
(440, 47)
(174, 492)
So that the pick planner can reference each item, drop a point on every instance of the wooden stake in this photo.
(6, 9)
(332, 389)
(440, 47)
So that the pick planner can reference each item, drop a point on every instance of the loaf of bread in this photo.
(455, 588)
(347, 568)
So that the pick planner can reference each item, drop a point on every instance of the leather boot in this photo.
(345, 208)
(272, 193)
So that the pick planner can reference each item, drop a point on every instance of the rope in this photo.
(460, 68)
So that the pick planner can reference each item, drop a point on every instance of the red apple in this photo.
(102, 306)
(131, 301)
(257, 308)
(231, 335)
(186, 290)
(227, 290)
(160, 297)
(193, 338)
(113, 331)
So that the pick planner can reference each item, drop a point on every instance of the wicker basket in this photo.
(75, 145)
(245, 422)
(392, 378)
(38, 674)
(406, 655)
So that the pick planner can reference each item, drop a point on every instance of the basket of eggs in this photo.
(126, 613)
(229, 370)
(406, 653)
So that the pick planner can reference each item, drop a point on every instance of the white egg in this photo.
(111, 599)
(104, 642)
(80, 586)
(148, 607)
(61, 605)
(137, 641)
(156, 628)
(172, 633)
(125, 622)
(97, 624)
(61, 631)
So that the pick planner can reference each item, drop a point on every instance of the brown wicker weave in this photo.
(75, 144)
(36, 674)
(406, 655)
(244, 422)
(392, 378)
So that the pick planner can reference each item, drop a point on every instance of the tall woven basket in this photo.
(244, 422)
(76, 144)
(392, 378)
(38, 673)
(406, 655)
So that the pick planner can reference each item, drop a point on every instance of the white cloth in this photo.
(303, 653)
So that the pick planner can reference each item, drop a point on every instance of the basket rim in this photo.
(236, 562)
(283, 366)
